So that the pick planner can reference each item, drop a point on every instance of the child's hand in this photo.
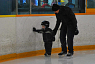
(34, 29)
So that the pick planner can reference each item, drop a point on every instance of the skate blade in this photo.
(69, 57)
(61, 56)
(48, 56)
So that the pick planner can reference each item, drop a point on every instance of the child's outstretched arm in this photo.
(39, 31)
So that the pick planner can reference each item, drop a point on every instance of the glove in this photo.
(76, 31)
(34, 29)
(53, 39)
(54, 32)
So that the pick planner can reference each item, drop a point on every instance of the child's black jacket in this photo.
(47, 34)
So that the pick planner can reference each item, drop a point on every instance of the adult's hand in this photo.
(54, 32)
(53, 38)
(76, 31)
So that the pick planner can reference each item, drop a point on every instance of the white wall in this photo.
(87, 30)
(16, 35)
(7, 35)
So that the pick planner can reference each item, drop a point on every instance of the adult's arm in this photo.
(73, 18)
(56, 26)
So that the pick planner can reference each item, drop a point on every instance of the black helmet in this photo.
(45, 23)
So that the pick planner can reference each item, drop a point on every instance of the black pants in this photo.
(48, 47)
(69, 31)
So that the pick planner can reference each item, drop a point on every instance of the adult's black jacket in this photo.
(67, 17)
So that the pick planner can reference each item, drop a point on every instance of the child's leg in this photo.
(48, 47)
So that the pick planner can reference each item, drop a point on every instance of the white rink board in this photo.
(7, 35)
(16, 35)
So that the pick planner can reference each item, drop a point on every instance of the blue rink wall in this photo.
(16, 35)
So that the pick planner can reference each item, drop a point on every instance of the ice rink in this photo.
(80, 57)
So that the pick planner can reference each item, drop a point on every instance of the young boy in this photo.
(48, 37)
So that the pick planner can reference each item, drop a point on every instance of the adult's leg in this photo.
(63, 32)
(70, 37)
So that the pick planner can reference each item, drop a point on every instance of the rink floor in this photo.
(80, 57)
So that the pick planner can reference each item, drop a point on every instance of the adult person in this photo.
(65, 16)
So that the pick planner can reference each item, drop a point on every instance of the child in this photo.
(48, 37)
